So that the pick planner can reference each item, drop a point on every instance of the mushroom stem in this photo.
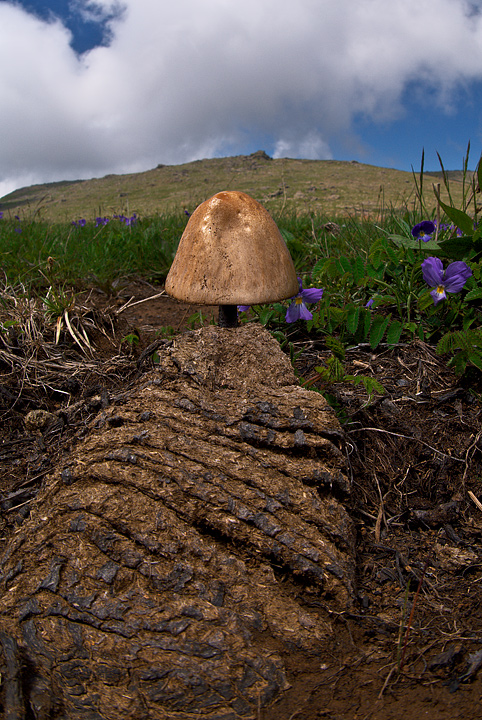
(228, 316)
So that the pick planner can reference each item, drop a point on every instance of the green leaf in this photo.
(322, 266)
(334, 372)
(412, 243)
(375, 272)
(476, 359)
(336, 316)
(345, 266)
(279, 336)
(425, 301)
(265, 315)
(475, 294)
(352, 319)
(377, 329)
(336, 347)
(459, 217)
(479, 173)
(467, 341)
(461, 248)
(370, 384)
(358, 270)
(458, 363)
(394, 332)
(286, 235)
(401, 239)
(394, 256)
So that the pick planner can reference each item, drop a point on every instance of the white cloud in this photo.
(194, 78)
(310, 147)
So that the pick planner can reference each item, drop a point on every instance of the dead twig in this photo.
(130, 304)
(475, 499)
(406, 437)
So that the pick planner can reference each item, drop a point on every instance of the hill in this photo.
(329, 187)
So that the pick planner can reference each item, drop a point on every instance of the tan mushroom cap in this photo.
(231, 253)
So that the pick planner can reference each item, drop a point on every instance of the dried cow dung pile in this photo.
(165, 567)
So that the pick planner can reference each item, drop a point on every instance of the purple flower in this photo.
(451, 280)
(128, 221)
(243, 308)
(131, 220)
(79, 223)
(298, 310)
(101, 221)
(444, 227)
(424, 230)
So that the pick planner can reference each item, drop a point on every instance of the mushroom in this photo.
(231, 253)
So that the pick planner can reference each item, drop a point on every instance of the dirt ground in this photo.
(411, 646)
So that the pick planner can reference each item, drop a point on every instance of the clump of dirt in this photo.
(173, 535)
(411, 644)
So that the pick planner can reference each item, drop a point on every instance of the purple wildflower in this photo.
(423, 230)
(445, 227)
(451, 280)
(298, 310)
(127, 220)
(131, 220)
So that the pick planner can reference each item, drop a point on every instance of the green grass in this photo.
(323, 187)
(354, 255)
(58, 253)
(38, 253)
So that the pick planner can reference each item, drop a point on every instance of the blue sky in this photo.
(88, 30)
(91, 87)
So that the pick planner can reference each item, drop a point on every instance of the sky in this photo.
(89, 88)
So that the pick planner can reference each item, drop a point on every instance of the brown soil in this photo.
(412, 645)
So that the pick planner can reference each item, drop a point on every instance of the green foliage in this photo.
(37, 254)
(334, 371)
(465, 346)
(371, 273)
(132, 339)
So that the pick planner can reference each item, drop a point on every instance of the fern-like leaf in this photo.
(377, 329)
(465, 340)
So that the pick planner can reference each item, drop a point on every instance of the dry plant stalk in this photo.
(37, 347)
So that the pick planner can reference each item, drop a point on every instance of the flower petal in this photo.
(312, 295)
(305, 313)
(438, 294)
(432, 271)
(292, 313)
(422, 229)
(297, 311)
(456, 276)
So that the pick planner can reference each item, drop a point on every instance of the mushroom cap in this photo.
(231, 253)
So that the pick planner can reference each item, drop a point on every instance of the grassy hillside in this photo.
(329, 187)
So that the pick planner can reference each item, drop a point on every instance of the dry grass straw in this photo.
(41, 346)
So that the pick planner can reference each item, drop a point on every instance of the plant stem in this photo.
(228, 316)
